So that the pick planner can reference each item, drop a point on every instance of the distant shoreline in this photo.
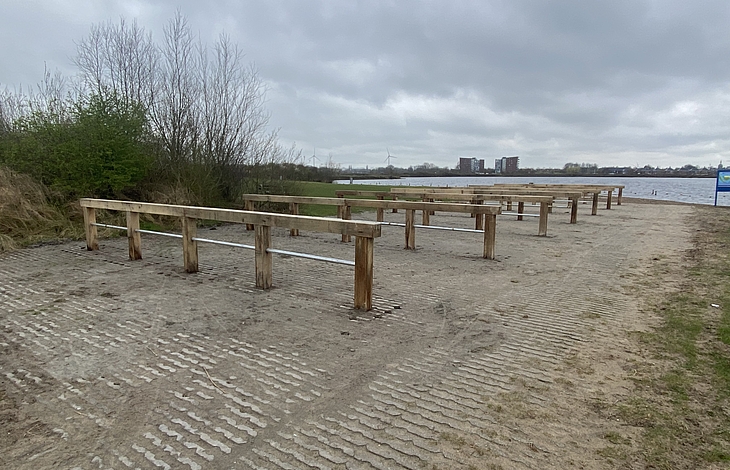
(541, 175)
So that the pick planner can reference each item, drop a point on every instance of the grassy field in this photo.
(311, 189)
(682, 397)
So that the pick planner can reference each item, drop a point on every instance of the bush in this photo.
(98, 148)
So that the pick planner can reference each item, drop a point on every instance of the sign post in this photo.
(722, 183)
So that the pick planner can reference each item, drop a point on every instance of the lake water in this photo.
(692, 190)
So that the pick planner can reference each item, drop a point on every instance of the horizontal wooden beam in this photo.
(364, 232)
(554, 186)
(362, 193)
(376, 204)
(476, 197)
(491, 190)
(301, 222)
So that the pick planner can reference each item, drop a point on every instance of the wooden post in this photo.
(410, 229)
(92, 235)
(543, 224)
(363, 273)
(478, 221)
(249, 206)
(550, 208)
(135, 241)
(346, 215)
(574, 210)
(426, 218)
(520, 210)
(608, 200)
(490, 235)
(190, 246)
(509, 205)
(395, 211)
(294, 210)
(620, 196)
(594, 207)
(264, 259)
(380, 210)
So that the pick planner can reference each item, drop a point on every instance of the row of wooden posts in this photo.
(485, 214)
(364, 232)
(261, 222)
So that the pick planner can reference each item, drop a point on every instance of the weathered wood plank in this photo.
(543, 221)
(375, 204)
(346, 215)
(302, 222)
(594, 204)
(249, 206)
(190, 246)
(478, 221)
(263, 259)
(133, 237)
(294, 210)
(490, 235)
(426, 220)
(574, 210)
(92, 235)
(410, 232)
(363, 273)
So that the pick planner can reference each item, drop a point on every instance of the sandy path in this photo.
(464, 363)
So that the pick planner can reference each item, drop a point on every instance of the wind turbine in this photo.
(314, 157)
(389, 156)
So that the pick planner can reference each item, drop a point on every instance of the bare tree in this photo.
(206, 106)
(177, 93)
(121, 59)
(13, 105)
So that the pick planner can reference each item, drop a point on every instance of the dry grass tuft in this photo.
(27, 216)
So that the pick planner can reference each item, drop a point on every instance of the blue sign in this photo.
(723, 182)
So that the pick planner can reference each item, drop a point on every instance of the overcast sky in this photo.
(609, 82)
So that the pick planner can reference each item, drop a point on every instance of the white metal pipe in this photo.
(517, 213)
(162, 234)
(436, 227)
(314, 257)
(110, 226)
(218, 242)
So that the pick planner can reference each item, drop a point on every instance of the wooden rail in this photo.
(573, 196)
(364, 233)
(488, 213)
(603, 187)
(380, 195)
(544, 202)
(594, 189)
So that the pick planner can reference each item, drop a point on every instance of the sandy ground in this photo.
(464, 362)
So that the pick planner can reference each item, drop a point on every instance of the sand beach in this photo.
(463, 363)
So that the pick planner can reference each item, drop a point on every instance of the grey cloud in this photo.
(550, 81)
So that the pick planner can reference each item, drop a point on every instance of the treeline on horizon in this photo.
(177, 121)
(568, 170)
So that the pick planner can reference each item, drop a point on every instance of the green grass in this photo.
(682, 395)
(312, 189)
